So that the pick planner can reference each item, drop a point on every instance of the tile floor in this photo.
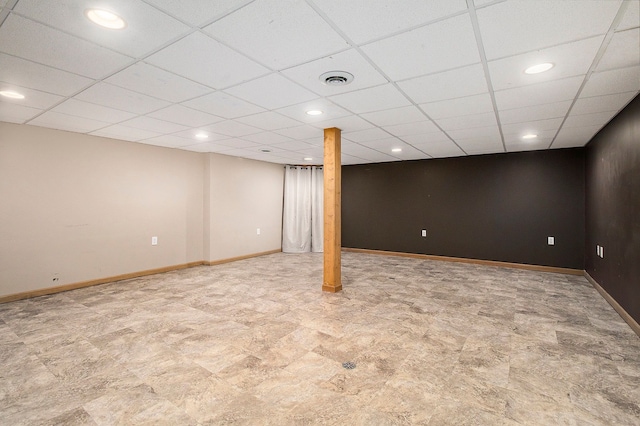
(257, 342)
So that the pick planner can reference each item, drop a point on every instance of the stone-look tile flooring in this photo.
(257, 342)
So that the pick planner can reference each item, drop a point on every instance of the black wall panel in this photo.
(613, 208)
(493, 207)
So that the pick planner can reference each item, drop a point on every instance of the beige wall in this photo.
(244, 195)
(79, 208)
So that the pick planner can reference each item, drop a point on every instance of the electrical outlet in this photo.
(154, 241)
(258, 231)
(424, 232)
(551, 241)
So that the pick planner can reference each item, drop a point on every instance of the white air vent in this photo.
(336, 78)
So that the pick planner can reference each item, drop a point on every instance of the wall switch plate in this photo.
(154, 241)
(258, 231)
(551, 240)
(424, 232)
(602, 252)
(597, 250)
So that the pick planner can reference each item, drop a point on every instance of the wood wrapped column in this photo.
(332, 280)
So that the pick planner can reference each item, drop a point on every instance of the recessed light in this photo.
(530, 136)
(202, 135)
(105, 19)
(11, 94)
(315, 112)
(308, 158)
(536, 69)
(396, 150)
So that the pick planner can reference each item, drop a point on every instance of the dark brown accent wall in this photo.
(494, 207)
(613, 208)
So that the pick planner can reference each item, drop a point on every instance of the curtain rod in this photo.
(303, 165)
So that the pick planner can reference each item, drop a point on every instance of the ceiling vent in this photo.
(336, 78)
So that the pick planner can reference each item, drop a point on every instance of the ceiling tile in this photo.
(300, 132)
(92, 111)
(362, 22)
(485, 119)
(623, 51)
(198, 12)
(211, 136)
(152, 81)
(154, 125)
(586, 120)
(387, 145)
(366, 135)
(199, 58)
(14, 113)
(118, 131)
(293, 146)
(186, 116)
(267, 138)
(415, 128)
(367, 153)
(223, 105)
(271, 92)
(555, 22)
(350, 123)
(269, 121)
(532, 126)
(146, 27)
(519, 146)
(372, 99)
(40, 77)
(614, 102)
(614, 81)
(426, 50)
(207, 147)
(232, 128)
(32, 98)
(490, 132)
(574, 136)
(570, 59)
(390, 117)
(535, 112)
(169, 141)
(439, 149)
(544, 138)
(329, 111)
(348, 160)
(426, 138)
(30, 40)
(55, 120)
(631, 18)
(538, 94)
(279, 34)
(476, 104)
(483, 145)
(308, 75)
(118, 98)
(458, 83)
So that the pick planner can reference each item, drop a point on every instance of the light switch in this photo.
(551, 240)
(154, 241)
(424, 232)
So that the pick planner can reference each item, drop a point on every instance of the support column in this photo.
(332, 280)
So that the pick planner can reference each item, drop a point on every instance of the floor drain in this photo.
(349, 365)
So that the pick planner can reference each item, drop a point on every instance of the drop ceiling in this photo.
(436, 78)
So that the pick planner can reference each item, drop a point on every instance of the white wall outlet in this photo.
(551, 241)
(424, 232)
(258, 231)
(154, 241)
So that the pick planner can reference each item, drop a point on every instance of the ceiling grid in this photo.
(432, 78)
